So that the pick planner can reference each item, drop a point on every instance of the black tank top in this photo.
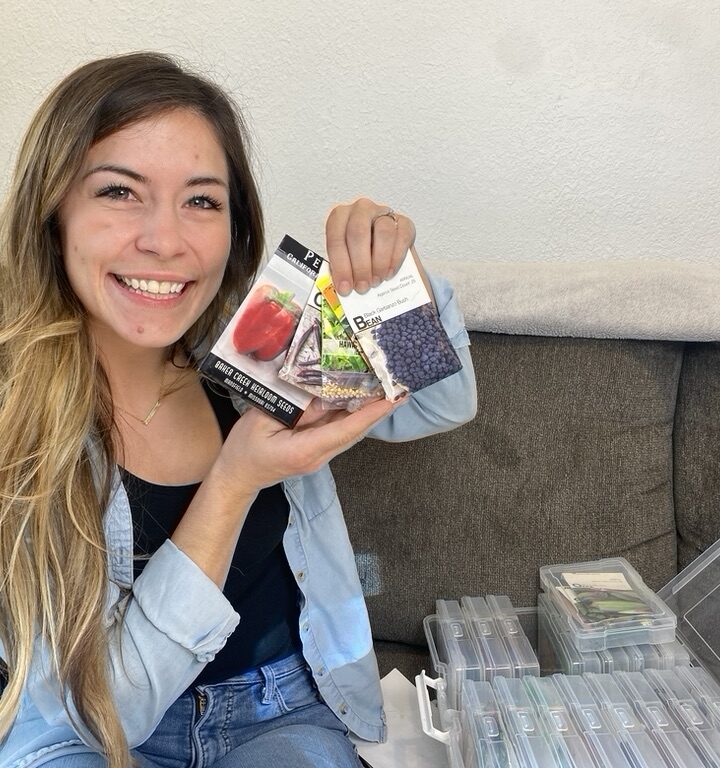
(260, 584)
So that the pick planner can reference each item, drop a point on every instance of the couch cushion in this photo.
(568, 459)
(697, 451)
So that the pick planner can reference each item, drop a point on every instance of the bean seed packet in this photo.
(249, 353)
(400, 332)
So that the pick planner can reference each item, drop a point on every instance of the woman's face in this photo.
(145, 229)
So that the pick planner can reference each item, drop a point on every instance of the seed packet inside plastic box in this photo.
(250, 351)
(400, 332)
(606, 604)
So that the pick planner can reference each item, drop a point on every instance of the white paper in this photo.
(407, 744)
(609, 581)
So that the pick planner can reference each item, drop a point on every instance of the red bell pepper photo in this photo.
(266, 325)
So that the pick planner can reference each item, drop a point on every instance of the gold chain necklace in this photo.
(153, 410)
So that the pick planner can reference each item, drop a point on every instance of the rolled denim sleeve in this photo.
(447, 403)
(176, 597)
(160, 638)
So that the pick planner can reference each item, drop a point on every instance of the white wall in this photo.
(520, 131)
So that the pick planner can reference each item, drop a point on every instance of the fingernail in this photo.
(344, 288)
(390, 273)
(376, 280)
(362, 286)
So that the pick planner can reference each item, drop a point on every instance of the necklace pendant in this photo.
(152, 412)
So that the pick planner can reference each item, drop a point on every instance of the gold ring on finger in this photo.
(388, 212)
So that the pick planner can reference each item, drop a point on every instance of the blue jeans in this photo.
(271, 716)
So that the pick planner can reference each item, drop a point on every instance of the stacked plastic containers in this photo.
(618, 690)
(601, 617)
(650, 719)
(472, 642)
(478, 639)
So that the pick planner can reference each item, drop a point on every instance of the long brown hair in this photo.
(56, 452)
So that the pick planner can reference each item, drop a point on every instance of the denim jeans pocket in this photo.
(295, 689)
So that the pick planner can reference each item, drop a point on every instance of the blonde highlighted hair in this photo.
(55, 405)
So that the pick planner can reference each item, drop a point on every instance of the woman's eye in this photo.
(115, 192)
(204, 201)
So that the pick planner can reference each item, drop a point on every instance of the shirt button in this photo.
(300, 575)
(320, 672)
(305, 627)
(291, 520)
(343, 708)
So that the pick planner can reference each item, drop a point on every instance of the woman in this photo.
(141, 519)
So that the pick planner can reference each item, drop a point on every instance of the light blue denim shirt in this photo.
(173, 619)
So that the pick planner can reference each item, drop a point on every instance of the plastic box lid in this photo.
(523, 660)
(567, 743)
(522, 724)
(672, 742)
(606, 604)
(607, 745)
(483, 736)
(454, 651)
(694, 597)
(486, 634)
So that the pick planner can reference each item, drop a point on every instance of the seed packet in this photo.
(302, 362)
(400, 332)
(347, 379)
(249, 353)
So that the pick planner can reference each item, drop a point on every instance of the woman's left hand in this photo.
(366, 243)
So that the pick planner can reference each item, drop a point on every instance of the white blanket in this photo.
(673, 300)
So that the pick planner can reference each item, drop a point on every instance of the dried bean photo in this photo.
(416, 348)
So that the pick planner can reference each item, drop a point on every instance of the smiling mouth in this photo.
(154, 288)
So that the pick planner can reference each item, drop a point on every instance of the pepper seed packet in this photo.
(249, 353)
(400, 332)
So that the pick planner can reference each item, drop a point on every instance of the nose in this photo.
(161, 232)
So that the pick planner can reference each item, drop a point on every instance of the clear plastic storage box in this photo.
(694, 597)
(658, 707)
(556, 649)
(478, 639)
(606, 604)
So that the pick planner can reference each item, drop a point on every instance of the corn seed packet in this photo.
(347, 379)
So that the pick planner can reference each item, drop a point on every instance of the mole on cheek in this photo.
(140, 330)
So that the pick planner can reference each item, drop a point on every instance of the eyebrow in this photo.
(116, 169)
(198, 181)
(194, 181)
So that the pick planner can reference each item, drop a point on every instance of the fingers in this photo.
(349, 240)
(270, 451)
(339, 430)
(366, 243)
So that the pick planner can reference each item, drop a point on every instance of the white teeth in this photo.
(156, 287)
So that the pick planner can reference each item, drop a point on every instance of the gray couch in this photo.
(582, 448)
